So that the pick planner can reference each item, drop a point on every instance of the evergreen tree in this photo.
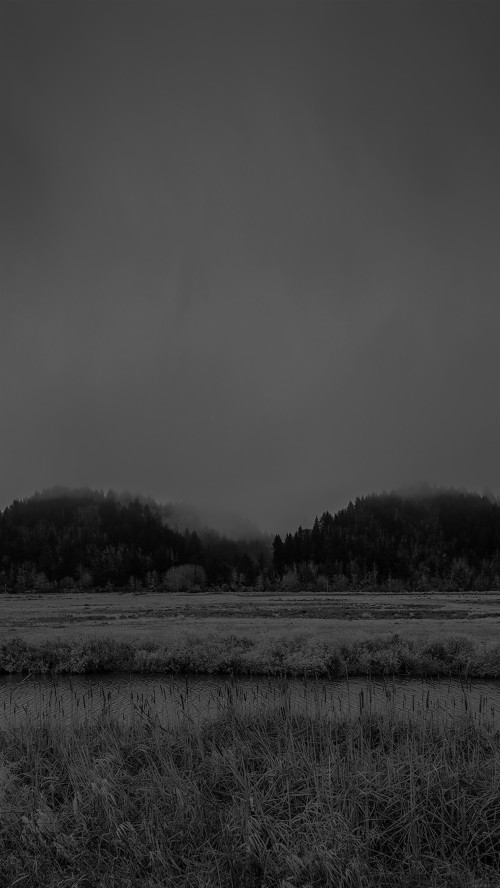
(278, 555)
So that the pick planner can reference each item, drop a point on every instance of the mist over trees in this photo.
(82, 539)
(444, 539)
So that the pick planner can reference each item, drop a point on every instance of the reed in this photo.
(268, 799)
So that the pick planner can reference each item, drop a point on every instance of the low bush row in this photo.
(295, 655)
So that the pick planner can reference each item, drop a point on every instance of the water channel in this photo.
(172, 700)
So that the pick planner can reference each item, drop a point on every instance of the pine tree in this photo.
(278, 555)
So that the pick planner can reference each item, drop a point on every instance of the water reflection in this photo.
(171, 700)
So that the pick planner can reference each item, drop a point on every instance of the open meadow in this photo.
(342, 616)
(316, 634)
(267, 799)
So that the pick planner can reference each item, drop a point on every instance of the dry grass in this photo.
(264, 801)
(161, 617)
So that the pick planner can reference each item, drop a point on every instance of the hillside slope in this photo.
(443, 539)
(88, 539)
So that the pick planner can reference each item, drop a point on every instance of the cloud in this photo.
(250, 258)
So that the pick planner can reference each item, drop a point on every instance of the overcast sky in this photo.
(249, 250)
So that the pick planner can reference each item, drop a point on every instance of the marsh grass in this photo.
(270, 799)
(298, 654)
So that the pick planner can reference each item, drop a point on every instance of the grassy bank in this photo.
(296, 655)
(281, 801)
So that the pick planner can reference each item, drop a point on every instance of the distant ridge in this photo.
(83, 538)
(423, 538)
(420, 538)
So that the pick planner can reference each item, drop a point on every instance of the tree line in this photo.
(71, 540)
(88, 539)
(443, 540)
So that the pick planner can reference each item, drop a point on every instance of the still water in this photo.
(173, 700)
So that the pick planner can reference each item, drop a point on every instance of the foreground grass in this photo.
(264, 801)
(296, 655)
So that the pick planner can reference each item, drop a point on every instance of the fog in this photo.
(249, 251)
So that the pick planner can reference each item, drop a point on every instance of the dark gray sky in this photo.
(249, 250)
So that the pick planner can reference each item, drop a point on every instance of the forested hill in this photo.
(86, 539)
(443, 540)
(81, 539)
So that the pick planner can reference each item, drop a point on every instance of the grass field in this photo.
(272, 800)
(160, 617)
(251, 800)
(260, 634)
